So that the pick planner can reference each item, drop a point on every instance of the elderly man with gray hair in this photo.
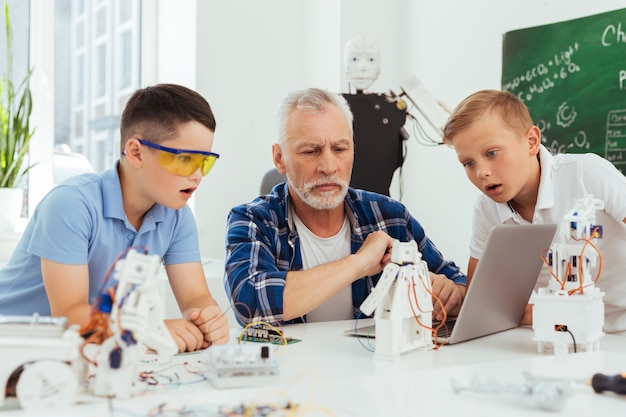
(313, 249)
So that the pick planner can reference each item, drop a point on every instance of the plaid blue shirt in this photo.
(262, 246)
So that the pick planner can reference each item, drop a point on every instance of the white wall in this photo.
(251, 53)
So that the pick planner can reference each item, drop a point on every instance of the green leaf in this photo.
(16, 107)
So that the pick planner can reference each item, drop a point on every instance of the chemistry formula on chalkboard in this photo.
(572, 77)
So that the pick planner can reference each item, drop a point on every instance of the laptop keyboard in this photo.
(445, 330)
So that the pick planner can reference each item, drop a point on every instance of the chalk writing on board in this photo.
(572, 77)
(545, 75)
(616, 138)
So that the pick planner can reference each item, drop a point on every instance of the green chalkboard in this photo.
(572, 76)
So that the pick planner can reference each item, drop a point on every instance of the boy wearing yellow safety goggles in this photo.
(86, 223)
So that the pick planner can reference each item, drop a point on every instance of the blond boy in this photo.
(522, 182)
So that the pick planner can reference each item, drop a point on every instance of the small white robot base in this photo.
(569, 312)
(563, 320)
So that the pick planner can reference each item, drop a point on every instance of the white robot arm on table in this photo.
(403, 303)
(45, 361)
(135, 320)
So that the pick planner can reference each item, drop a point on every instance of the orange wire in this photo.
(581, 287)
(442, 322)
(588, 241)
(568, 272)
(555, 276)
(415, 316)
(600, 261)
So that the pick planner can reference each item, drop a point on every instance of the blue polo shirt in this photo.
(82, 221)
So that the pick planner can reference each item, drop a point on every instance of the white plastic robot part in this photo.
(46, 384)
(402, 253)
(405, 253)
(380, 290)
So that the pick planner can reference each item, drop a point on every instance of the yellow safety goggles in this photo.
(183, 162)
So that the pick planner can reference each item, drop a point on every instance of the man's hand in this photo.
(186, 334)
(374, 254)
(212, 323)
(451, 295)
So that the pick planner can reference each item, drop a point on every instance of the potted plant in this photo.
(15, 134)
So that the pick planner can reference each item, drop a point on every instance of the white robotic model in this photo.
(135, 321)
(41, 363)
(433, 111)
(46, 363)
(570, 309)
(403, 303)
(361, 62)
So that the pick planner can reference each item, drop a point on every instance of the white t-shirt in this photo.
(564, 178)
(317, 251)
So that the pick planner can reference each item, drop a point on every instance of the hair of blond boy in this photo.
(511, 111)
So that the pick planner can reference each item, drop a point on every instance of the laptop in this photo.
(501, 286)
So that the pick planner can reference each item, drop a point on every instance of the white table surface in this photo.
(334, 373)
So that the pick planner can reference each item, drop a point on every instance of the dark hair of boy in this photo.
(156, 112)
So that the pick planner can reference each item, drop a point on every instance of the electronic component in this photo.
(265, 333)
(281, 409)
(241, 365)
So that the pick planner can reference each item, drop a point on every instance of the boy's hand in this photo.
(186, 334)
(212, 323)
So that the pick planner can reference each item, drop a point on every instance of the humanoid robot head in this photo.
(362, 62)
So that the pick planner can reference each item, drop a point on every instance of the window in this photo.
(126, 59)
(97, 67)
